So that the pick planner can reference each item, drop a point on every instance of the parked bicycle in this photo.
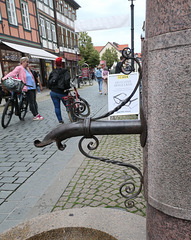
(84, 81)
(85, 76)
(16, 103)
(76, 106)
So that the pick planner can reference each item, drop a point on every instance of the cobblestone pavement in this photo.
(97, 183)
(26, 171)
(28, 174)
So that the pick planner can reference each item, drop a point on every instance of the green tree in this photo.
(88, 53)
(110, 56)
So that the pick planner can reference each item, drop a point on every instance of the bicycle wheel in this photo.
(71, 116)
(7, 113)
(23, 108)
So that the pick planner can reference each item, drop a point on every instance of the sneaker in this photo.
(38, 117)
(61, 122)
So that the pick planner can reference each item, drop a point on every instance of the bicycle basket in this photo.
(13, 84)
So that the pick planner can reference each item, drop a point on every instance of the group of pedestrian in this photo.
(102, 75)
(55, 82)
(102, 78)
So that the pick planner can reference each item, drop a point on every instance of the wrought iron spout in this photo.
(88, 128)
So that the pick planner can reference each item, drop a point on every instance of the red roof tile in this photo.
(99, 48)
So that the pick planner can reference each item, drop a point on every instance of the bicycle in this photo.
(16, 101)
(76, 106)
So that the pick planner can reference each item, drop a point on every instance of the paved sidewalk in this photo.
(41, 180)
(26, 172)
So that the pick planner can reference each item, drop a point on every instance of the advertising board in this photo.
(120, 87)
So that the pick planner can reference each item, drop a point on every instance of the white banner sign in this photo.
(101, 23)
(120, 87)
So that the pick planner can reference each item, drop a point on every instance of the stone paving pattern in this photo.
(96, 184)
(26, 172)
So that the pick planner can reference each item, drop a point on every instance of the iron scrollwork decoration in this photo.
(127, 189)
(89, 127)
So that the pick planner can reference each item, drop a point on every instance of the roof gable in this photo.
(99, 48)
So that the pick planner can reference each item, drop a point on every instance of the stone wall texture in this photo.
(167, 102)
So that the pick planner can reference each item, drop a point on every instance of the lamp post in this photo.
(132, 33)
(76, 51)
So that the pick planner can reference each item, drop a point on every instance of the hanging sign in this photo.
(120, 87)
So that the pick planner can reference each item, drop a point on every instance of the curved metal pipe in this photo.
(89, 128)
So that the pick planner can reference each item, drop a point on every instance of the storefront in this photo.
(40, 60)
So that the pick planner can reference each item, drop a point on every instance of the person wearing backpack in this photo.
(59, 83)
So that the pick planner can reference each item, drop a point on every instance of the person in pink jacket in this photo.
(105, 74)
(23, 73)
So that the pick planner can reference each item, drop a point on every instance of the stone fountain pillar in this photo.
(167, 103)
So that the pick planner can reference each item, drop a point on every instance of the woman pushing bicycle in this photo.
(23, 72)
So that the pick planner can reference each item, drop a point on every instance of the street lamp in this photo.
(132, 33)
(76, 51)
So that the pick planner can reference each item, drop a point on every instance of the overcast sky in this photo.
(94, 9)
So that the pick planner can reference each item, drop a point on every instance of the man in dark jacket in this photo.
(59, 83)
(119, 65)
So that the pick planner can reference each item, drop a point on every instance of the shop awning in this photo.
(34, 52)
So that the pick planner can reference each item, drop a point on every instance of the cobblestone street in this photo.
(34, 181)
(97, 183)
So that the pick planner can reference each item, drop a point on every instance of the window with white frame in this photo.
(69, 41)
(25, 15)
(54, 33)
(64, 37)
(48, 30)
(11, 10)
(66, 10)
(43, 30)
(46, 2)
(51, 3)
(76, 40)
(73, 15)
(70, 12)
(62, 6)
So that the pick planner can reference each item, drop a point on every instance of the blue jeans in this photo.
(57, 98)
(100, 82)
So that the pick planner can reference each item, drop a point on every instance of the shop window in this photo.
(25, 15)
(11, 11)
(48, 31)
(43, 30)
(54, 33)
